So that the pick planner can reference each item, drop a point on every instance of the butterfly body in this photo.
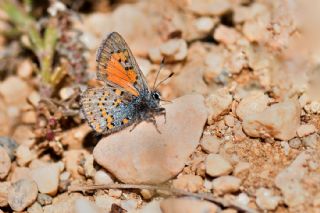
(125, 99)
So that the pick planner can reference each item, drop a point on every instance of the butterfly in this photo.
(125, 99)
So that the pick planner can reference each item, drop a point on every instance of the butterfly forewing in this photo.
(117, 66)
(106, 109)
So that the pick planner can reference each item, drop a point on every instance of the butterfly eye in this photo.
(156, 96)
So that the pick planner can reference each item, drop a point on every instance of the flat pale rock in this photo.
(146, 156)
(22, 194)
(280, 121)
(290, 180)
(47, 178)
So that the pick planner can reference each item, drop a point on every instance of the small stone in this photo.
(83, 205)
(187, 204)
(102, 177)
(9, 145)
(210, 143)
(20, 173)
(25, 69)
(182, 52)
(279, 121)
(295, 143)
(266, 200)
(176, 49)
(4, 187)
(5, 163)
(253, 103)
(133, 155)
(22, 194)
(285, 146)
(209, 7)
(204, 24)
(153, 206)
(144, 65)
(315, 107)
(44, 199)
(229, 211)
(207, 184)
(226, 184)
(24, 155)
(218, 104)
(289, 181)
(241, 168)
(191, 183)
(63, 203)
(170, 47)
(311, 140)
(214, 62)
(47, 178)
(64, 176)
(226, 35)
(35, 208)
(89, 170)
(34, 98)
(66, 92)
(306, 129)
(216, 165)
(129, 205)
(155, 55)
(147, 194)
(243, 199)
(23, 134)
(116, 193)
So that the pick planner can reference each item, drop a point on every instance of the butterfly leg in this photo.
(134, 126)
(153, 120)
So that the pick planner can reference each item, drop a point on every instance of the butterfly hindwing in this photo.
(117, 66)
(106, 109)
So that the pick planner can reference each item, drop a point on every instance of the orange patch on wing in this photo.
(117, 74)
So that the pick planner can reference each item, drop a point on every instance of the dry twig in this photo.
(204, 196)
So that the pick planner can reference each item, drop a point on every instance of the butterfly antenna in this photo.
(169, 76)
(161, 66)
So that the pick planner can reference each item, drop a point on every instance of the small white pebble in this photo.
(204, 24)
(315, 107)
(24, 155)
(266, 200)
(295, 143)
(243, 199)
(129, 205)
(306, 129)
(226, 184)
(116, 193)
(102, 177)
(285, 146)
(66, 92)
(64, 176)
(216, 165)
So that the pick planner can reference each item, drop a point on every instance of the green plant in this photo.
(41, 42)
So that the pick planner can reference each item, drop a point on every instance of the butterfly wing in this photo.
(117, 66)
(107, 109)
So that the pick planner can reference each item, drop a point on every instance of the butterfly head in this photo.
(155, 98)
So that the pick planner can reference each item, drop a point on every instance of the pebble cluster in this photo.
(243, 124)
